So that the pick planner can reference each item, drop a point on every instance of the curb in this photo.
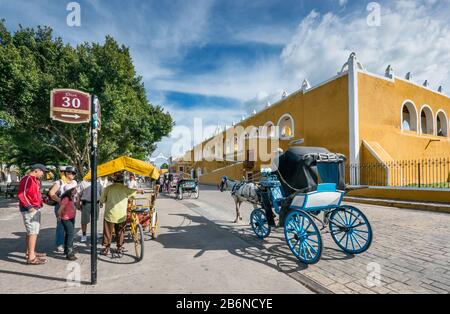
(423, 206)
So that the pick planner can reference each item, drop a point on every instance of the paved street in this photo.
(190, 255)
(410, 248)
(200, 250)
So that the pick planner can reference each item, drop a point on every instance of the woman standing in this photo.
(66, 215)
(59, 188)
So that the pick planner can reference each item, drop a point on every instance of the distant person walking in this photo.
(84, 204)
(132, 183)
(115, 197)
(30, 204)
(59, 188)
(66, 215)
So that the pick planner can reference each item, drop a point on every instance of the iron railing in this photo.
(420, 173)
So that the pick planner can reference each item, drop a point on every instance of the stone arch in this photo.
(426, 120)
(441, 123)
(408, 118)
(286, 126)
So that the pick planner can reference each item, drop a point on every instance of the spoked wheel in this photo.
(303, 237)
(350, 229)
(180, 194)
(196, 193)
(154, 225)
(138, 238)
(259, 223)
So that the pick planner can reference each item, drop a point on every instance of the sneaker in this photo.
(60, 249)
(83, 239)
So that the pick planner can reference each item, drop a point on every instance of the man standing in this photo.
(30, 203)
(84, 203)
(115, 197)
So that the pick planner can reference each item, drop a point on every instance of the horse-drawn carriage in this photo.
(306, 182)
(180, 185)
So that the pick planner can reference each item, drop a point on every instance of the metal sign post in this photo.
(94, 143)
(75, 107)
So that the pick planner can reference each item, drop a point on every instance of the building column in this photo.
(354, 142)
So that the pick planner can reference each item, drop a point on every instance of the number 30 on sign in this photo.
(70, 106)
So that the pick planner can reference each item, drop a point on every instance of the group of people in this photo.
(69, 196)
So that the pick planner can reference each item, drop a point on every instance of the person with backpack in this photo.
(58, 189)
(66, 215)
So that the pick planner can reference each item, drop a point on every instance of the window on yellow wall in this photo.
(442, 124)
(409, 117)
(287, 127)
(426, 121)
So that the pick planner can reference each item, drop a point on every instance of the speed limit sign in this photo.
(70, 106)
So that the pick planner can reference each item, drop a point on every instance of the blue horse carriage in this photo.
(308, 182)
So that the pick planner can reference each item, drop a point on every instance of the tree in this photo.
(32, 63)
(164, 166)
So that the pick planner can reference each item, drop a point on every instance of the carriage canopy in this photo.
(126, 164)
(301, 169)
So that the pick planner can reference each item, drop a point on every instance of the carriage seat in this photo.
(326, 196)
(142, 210)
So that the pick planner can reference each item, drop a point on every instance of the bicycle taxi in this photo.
(141, 213)
(306, 183)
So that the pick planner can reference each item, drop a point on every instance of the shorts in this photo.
(32, 222)
(86, 213)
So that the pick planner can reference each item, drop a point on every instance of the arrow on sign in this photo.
(75, 116)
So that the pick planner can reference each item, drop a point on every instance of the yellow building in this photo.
(372, 119)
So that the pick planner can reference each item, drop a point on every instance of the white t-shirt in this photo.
(132, 184)
(64, 187)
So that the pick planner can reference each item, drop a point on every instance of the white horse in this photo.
(241, 192)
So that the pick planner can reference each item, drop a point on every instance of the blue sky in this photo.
(221, 59)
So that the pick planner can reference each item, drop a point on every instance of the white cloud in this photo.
(183, 133)
(413, 36)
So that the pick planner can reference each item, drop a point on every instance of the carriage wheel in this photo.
(259, 223)
(350, 229)
(303, 237)
(180, 193)
(196, 193)
(154, 225)
(138, 238)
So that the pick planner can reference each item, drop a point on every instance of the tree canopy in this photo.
(33, 62)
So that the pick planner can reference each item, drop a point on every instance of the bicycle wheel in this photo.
(196, 193)
(138, 238)
(180, 193)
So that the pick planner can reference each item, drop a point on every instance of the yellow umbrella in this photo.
(126, 164)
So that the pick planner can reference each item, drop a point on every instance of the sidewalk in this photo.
(190, 255)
